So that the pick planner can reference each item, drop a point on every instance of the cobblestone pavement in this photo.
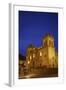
(38, 73)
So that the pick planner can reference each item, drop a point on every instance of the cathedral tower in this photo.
(48, 44)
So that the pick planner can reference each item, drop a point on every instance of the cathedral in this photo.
(43, 56)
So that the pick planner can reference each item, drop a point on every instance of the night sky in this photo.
(33, 26)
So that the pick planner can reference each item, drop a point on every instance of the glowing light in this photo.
(33, 55)
(28, 62)
(30, 57)
(40, 53)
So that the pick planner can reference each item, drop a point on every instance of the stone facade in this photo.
(44, 56)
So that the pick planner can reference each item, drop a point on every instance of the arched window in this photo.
(40, 53)
(28, 62)
(50, 43)
(33, 55)
(45, 43)
(30, 57)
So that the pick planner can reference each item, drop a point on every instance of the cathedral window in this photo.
(40, 53)
(45, 43)
(33, 55)
(30, 57)
(28, 62)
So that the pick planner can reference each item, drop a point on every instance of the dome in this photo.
(48, 40)
(48, 36)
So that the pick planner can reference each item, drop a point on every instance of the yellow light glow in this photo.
(33, 55)
(40, 53)
(30, 57)
(28, 62)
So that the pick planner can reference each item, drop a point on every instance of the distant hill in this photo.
(21, 57)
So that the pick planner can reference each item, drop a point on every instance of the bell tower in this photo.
(48, 44)
(48, 41)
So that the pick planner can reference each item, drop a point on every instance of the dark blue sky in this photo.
(33, 26)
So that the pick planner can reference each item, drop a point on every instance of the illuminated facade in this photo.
(44, 56)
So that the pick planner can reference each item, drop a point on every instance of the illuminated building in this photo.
(44, 56)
